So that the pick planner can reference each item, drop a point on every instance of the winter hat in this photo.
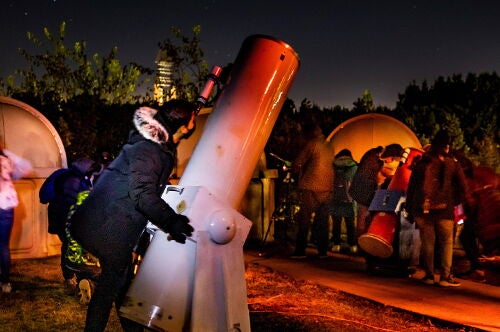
(441, 139)
(344, 153)
(392, 150)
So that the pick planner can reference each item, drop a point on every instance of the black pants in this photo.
(345, 211)
(470, 243)
(318, 203)
(111, 288)
(66, 272)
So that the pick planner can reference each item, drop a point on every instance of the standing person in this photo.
(128, 194)
(12, 167)
(374, 172)
(315, 183)
(468, 236)
(437, 185)
(343, 205)
(66, 187)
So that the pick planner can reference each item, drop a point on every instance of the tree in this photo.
(364, 104)
(189, 68)
(73, 89)
(59, 73)
(467, 108)
(90, 99)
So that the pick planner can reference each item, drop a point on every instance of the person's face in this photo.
(390, 165)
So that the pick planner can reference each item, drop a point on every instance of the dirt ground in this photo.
(276, 302)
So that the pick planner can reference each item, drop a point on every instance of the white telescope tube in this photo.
(200, 285)
(241, 122)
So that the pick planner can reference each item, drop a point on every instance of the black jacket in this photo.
(127, 195)
(67, 186)
(364, 183)
(440, 179)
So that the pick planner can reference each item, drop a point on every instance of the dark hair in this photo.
(344, 152)
(441, 140)
(392, 150)
(175, 114)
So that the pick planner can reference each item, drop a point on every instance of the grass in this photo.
(39, 302)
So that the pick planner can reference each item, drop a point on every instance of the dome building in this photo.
(27, 133)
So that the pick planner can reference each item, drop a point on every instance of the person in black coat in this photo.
(437, 184)
(128, 195)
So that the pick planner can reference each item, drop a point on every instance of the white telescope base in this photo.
(199, 285)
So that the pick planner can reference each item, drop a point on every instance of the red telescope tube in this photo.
(212, 79)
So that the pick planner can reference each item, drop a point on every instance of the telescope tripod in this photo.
(284, 215)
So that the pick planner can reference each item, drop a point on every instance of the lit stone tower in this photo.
(163, 89)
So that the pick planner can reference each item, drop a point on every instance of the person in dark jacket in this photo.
(437, 184)
(67, 186)
(315, 174)
(128, 195)
(342, 207)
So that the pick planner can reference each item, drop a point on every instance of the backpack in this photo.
(48, 189)
(341, 185)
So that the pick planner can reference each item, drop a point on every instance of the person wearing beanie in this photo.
(437, 184)
(110, 221)
(391, 156)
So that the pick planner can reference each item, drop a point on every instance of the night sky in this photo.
(345, 47)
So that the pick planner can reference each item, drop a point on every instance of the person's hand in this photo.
(380, 178)
(179, 228)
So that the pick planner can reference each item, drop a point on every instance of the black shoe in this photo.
(428, 280)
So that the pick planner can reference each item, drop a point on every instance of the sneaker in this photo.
(6, 287)
(336, 248)
(354, 249)
(428, 280)
(85, 288)
(450, 282)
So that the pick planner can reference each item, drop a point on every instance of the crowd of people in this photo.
(336, 191)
